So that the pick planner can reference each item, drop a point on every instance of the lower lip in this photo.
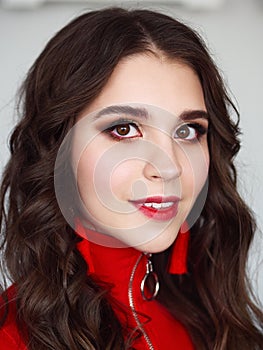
(162, 214)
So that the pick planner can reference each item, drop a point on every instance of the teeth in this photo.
(158, 205)
(167, 204)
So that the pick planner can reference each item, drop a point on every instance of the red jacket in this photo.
(9, 335)
(123, 269)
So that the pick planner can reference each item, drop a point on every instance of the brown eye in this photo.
(190, 132)
(183, 132)
(123, 130)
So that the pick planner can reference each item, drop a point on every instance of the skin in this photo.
(156, 156)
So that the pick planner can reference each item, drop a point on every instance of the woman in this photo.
(122, 226)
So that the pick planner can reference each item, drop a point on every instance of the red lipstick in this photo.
(158, 207)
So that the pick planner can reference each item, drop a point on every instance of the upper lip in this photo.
(156, 199)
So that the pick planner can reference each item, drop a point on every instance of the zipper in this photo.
(132, 306)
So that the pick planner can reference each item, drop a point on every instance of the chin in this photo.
(157, 245)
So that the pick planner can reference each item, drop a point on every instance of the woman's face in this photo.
(140, 153)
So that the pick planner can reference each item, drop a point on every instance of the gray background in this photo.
(234, 32)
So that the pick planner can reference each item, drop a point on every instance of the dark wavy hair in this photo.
(59, 306)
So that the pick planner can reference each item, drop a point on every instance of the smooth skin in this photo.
(158, 147)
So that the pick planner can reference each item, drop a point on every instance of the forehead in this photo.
(146, 79)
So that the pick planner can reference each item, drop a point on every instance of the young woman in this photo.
(122, 226)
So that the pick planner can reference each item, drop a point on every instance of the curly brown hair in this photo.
(59, 305)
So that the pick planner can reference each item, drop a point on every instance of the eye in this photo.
(190, 132)
(124, 131)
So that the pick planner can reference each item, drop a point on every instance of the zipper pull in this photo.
(150, 274)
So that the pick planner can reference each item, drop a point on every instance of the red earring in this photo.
(178, 257)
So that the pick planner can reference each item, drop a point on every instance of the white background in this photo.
(234, 33)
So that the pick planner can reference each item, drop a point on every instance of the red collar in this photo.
(115, 266)
(123, 270)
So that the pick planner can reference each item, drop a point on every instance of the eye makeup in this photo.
(184, 133)
(124, 131)
(191, 126)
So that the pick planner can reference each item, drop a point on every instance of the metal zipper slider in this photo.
(132, 306)
(150, 274)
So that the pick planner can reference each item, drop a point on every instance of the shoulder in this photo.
(9, 333)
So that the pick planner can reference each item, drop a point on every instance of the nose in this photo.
(163, 163)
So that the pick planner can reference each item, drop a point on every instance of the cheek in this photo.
(86, 171)
(195, 169)
(106, 179)
(126, 179)
(121, 180)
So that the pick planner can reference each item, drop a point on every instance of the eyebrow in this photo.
(121, 109)
(143, 113)
(194, 114)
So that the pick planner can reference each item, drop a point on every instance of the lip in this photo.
(163, 214)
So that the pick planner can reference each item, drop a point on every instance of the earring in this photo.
(178, 257)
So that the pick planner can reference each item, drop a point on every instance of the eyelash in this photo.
(200, 131)
(119, 123)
